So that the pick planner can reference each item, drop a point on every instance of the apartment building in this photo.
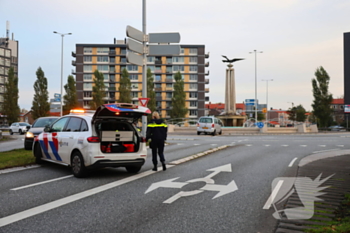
(110, 59)
(8, 58)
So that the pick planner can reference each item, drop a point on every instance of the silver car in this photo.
(209, 125)
(19, 127)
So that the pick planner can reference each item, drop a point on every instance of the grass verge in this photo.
(15, 158)
(341, 223)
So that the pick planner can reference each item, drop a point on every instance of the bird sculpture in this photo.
(231, 60)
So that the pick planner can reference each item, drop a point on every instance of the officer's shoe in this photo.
(155, 168)
(164, 167)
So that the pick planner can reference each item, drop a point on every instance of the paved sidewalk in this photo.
(339, 167)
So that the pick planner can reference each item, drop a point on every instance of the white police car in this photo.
(106, 137)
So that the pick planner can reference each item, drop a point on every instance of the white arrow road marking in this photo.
(166, 184)
(291, 163)
(223, 189)
(273, 195)
(217, 170)
(182, 194)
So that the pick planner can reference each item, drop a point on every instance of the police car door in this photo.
(49, 141)
(70, 137)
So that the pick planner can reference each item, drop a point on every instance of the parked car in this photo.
(84, 140)
(19, 127)
(37, 127)
(209, 124)
(336, 128)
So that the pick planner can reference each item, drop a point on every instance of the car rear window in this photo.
(23, 124)
(206, 120)
(43, 122)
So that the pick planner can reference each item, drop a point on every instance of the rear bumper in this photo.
(117, 163)
(201, 130)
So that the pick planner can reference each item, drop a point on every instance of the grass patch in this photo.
(15, 158)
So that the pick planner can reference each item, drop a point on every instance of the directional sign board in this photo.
(164, 49)
(134, 58)
(170, 37)
(134, 33)
(134, 46)
(249, 102)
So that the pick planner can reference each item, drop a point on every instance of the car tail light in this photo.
(212, 125)
(143, 139)
(93, 139)
(108, 149)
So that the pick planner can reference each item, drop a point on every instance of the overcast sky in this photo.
(296, 37)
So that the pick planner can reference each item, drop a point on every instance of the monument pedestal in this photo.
(232, 120)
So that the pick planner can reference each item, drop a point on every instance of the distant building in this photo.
(8, 58)
(337, 107)
(110, 59)
(218, 108)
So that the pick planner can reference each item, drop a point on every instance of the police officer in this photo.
(157, 131)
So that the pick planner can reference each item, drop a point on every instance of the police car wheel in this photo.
(20, 131)
(77, 164)
(11, 133)
(198, 133)
(37, 153)
(133, 169)
(214, 133)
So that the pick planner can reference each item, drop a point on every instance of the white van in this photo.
(209, 125)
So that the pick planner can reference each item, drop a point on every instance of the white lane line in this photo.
(291, 163)
(340, 145)
(213, 144)
(248, 145)
(39, 183)
(196, 144)
(60, 202)
(323, 151)
(267, 145)
(303, 145)
(273, 195)
(285, 145)
(322, 145)
(179, 144)
(15, 169)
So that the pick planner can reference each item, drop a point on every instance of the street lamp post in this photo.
(267, 95)
(62, 35)
(256, 104)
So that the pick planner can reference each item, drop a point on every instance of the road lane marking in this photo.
(66, 200)
(291, 163)
(39, 183)
(267, 145)
(322, 145)
(273, 195)
(285, 145)
(15, 169)
(303, 145)
(340, 145)
(323, 151)
(196, 144)
(248, 145)
(213, 144)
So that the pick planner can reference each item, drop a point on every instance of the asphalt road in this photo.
(17, 142)
(224, 191)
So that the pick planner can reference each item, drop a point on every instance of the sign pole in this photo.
(144, 67)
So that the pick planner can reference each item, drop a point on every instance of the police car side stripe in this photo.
(42, 144)
(55, 151)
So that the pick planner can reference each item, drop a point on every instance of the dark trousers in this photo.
(158, 146)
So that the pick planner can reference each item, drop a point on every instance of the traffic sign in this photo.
(260, 124)
(249, 104)
(134, 33)
(144, 101)
(134, 46)
(168, 37)
(250, 101)
(164, 49)
(134, 58)
(264, 110)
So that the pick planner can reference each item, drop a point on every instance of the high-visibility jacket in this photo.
(157, 130)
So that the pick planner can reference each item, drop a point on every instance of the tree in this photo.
(98, 91)
(150, 93)
(297, 113)
(70, 99)
(322, 98)
(124, 88)
(40, 105)
(178, 100)
(10, 105)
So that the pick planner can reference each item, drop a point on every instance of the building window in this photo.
(2, 70)
(102, 59)
(132, 68)
(102, 50)
(2, 79)
(135, 86)
(169, 95)
(157, 85)
(193, 86)
(193, 112)
(122, 51)
(193, 77)
(193, 59)
(193, 68)
(7, 62)
(193, 104)
(151, 68)
(87, 86)
(150, 59)
(158, 104)
(168, 104)
(169, 60)
(193, 95)
(158, 94)
(123, 60)
(106, 77)
(87, 58)
(86, 104)
(133, 77)
(182, 50)
(178, 59)
(169, 85)
(158, 77)
(2, 52)
(193, 51)
(2, 61)
(87, 77)
(87, 68)
(103, 68)
(134, 94)
(7, 53)
(178, 68)
(87, 50)
(87, 94)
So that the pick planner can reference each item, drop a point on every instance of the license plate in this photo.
(205, 128)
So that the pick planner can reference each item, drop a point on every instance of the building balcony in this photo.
(111, 89)
(158, 89)
(207, 55)
(169, 80)
(207, 64)
(207, 73)
(207, 98)
(73, 54)
(73, 63)
(206, 90)
(206, 81)
(73, 71)
(158, 62)
(157, 71)
(111, 53)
